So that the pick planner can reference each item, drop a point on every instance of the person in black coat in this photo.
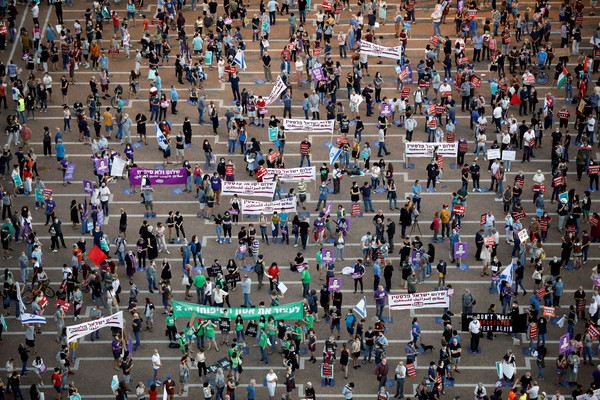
(391, 231)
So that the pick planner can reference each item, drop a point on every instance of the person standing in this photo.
(156, 364)
(474, 332)
(381, 371)
(271, 383)
(246, 290)
(400, 378)
(379, 297)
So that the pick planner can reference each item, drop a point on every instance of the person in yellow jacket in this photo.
(21, 108)
(445, 219)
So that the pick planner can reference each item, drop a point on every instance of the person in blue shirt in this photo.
(174, 99)
(416, 190)
(250, 389)
(477, 45)
(376, 274)
(235, 86)
(287, 104)
(323, 193)
(542, 57)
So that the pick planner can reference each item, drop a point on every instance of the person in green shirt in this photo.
(209, 332)
(199, 332)
(199, 282)
(305, 278)
(262, 323)
(412, 283)
(264, 342)
(272, 332)
(239, 329)
(309, 321)
(171, 329)
(235, 362)
(319, 259)
(298, 334)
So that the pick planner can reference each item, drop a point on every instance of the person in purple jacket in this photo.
(379, 297)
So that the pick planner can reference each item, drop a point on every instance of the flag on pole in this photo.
(506, 275)
(3, 323)
(562, 77)
(334, 154)
(239, 59)
(160, 138)
(114, 383)
(20, 299)
(361, 307)
(585, 65)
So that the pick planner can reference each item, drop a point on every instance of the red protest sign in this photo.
(549, 311)
(63, 304)
(405, 93)
(411, 371)
(541, 292)
(156, 21)
(47, 192)
(97, 255)
(519, 216)
(475, 81)
(355, 208)
(488, 241)
(44, 302)
(424, 84)
(272, 157)
(539, 188)
(433, 40)
(317, 51)
(327, 5)
(482, 219)
(113, 51)
(338, 9)
(230, 70)
(463, 60)
(459, 210)
(593, 169)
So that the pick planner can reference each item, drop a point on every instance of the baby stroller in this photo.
(147, 46)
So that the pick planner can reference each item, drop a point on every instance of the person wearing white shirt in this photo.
(104, 198)
(481, 139)
(474, 331)
(505, 102)
(490, 221)
(400, 378)
(160, 235)
(354, 102)
(375, 173)
(497, 117)
(156, 364)
(410, 126)
(47, 79)
(271, 383)
(208, 289)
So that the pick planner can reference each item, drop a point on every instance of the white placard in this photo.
(305, 125)
(509, 155)
(523, 236)
(282, 288)
(376, 50)
(278, 88)
(245, 188)
(256, 207)
(493, 154)
(416, 149)
(118, 166)
(418, 300)
(291, 174)
(76, 331)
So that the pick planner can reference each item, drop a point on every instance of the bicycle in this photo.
(541, 76)
(117, 101)
(31, 294)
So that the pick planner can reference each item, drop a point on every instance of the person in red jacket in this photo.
(273, 273)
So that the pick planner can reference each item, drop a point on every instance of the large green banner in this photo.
(288, 311)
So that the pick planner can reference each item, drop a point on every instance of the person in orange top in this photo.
(145, 26)
(94, 54)
(108, 122)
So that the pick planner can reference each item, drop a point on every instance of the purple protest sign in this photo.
(386, 110)
(88, 187)
(317, 74)
(460, 249)
(409, 78)
(129, 343)
(415, 257)
(597, 282)
(460, 6)
(102, 165)
(328, 208)
(335, 284)
(563, 343)
(100, 217)
(176, 176)
(327, 256)
(70, 172)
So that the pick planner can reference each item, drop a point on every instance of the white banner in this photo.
(278, 88)
(493, 154)
(416, 149)
(509, 155)
(241, 188)
(76, 331)
(256, 207)
(305, 125)
(418, 300)
(118, 166)
(373, 49)
(291, 174)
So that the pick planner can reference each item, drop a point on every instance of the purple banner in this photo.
(328, 208)
(409, 76)
(129, 344)
(100, 217)
(102, 165)
(335, 284)
(415, 257)
(70, 172)
(460, 249)
(317, 74)
(386, 110)
(460, 6)
(563, 343)
(327, 256)
(88, 187)
(177, 176)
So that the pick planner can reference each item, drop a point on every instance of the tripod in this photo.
(415, 224)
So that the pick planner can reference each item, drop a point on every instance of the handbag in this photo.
(536, 275)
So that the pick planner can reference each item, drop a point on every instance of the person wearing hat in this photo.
(170, 388)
